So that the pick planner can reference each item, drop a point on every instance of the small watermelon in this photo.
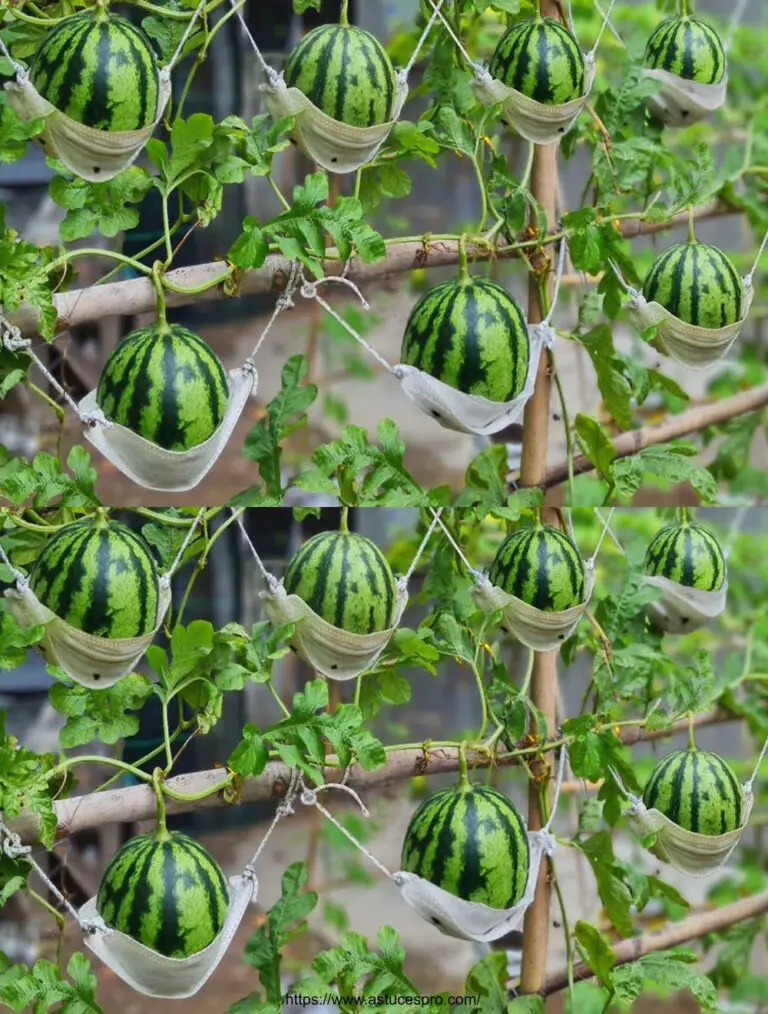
(688, 554)
(470, 841)
(167, 892)
(100, 70)
(541, 566)
(472, 335)
(167, 385)
(540, 58)
(687, 47)
(100, 577)
(346, 73)
(345, 579)
(698, 284)
(697, 790)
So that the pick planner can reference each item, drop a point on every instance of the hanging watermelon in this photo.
(166, 891)
(689, 48)
(698, 284)
(540, 58)
(164, 383)
(696, 790)
(541, 566)
(688, 554)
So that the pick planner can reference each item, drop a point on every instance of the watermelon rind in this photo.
(698, 791)
(698, 284)
(687, 554)
(541, 566)
(542, 60)
(689, 48)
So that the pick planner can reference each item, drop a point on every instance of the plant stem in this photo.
(566, 933)
(566, 426)
(193, 797)
(95, 759)
(528, 674)
(344, 15)
(685, 8)
(278, 192)
(691, 730)
(344, 523)
(464, 276)
(691, 224)
(286, 712)
(157, 281)
(683, 515)
(162, 829)
(166, 232)
(167, 739)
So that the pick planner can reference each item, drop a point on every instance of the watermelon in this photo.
(698, 284)
(166, 891)
(697, 791)
(470, 841)
(346, 73)
(688, 554)
(100, 70)
(100, 577)
(472, 335)
(167, 385)
(345, 579)
(687, 47)
(541, 566)
(540, 58)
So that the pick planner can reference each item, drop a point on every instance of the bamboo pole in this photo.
(533, 472)
(79, 813)
(137, 296)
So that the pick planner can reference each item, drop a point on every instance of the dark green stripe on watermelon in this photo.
(346, 580)
(165, 384)
(346, 73)
(689, 48)
(688, 554)
(99, 70)
(167, 893)
(541, 566)
(471, 842)
(471, 335)
(541, 59)
(100, 577)
(698, 791)
(698, 284)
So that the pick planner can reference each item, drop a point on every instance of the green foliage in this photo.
(45, 987)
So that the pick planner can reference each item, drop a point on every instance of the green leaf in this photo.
(487, 980)
(611, 373)
(611, 880)
(665, 973)
(100, 714)
(14, 134)
(299, 6)
(250, 756)
(100, 207)
(595, 951)
(667, 464)
(45, 986)
(595, 444)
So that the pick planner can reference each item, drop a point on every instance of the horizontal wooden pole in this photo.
(673, 935)
(78, 813)
(672, 428)
(78, 306)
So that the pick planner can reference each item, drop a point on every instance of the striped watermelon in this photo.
(541, 566)
(166, 384)
(697, 791)
(99, 70)
(541, 59)
(166, 891)
(472, 335)
(470, 841)
(698, 284)
(346, 73)
(100, 577)
(687, 47)
(346, 580)
(688, 554)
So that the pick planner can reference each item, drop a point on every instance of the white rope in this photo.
(12, 846)
(12, 340)
(165, 579)
(475, 573)
(414, 563)
(603, 533)
(476, 67)
(614, 538)
(558, 785)
(738, 14)
(270, 579)
(748, 785)
(19, 578)
(21, 72)
(569, 524)
(284, 302)
(733, 531)
(608, 22)
(271, 74)
(403, 74)
(749, 278)
(633, 293)
(544, 330)
(309, 291)
(165, 72)
(284, 809)
(593, 50)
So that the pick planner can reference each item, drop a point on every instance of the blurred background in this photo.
(354, 388)
(441, 707)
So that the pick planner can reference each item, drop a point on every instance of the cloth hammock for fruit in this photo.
(698, 348)
(538, 629)
(698, 855)
(145, 463)
(455, 410)
(538, 122)
(93, 662)
(145, 970)
(335, 146)
(329, 650)
(679, 101)
(93, 155)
